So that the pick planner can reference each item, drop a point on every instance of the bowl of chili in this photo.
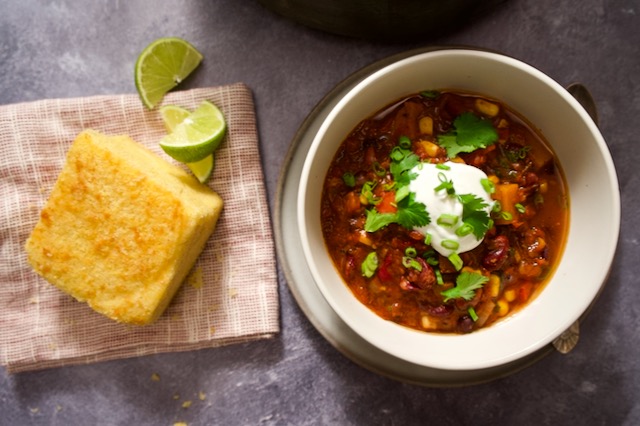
(459, 209)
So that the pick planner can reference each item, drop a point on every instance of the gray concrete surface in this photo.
(65, 48)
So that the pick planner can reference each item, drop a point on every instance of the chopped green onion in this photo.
(439, 279)
(428, 254)
(370, 264)
(349, 179)
(445, 184)
(450, 244)
(404, 142)
(378, 169)
(497, 206)
(367, 192)
(410, 262)
(389, 186)
(410, 252)
(430, 94)
(456, 261)
(427, 239)
(464, 230)
(538, 199)
(488, 185)
(520, 208)
(442, 166)
(506, 215)
(472, 313)
(402, 193)
(446, 219)
(431, 257)
(397, 154)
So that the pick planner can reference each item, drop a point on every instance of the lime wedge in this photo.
(197, 136)
(202, 169)
(161, 66)
(172, 116)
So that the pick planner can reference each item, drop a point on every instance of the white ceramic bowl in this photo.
(594, 212)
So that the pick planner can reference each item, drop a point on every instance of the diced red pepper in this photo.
(387, 203)
(524, 292)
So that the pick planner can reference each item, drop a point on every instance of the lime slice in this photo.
(197, 136)
(172, 116)
(202, 169)
(162, 65)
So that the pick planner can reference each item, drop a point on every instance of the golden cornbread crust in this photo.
(121, 228)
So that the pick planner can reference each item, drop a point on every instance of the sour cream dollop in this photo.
(440, 204)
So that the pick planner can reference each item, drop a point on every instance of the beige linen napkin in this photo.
(235, 301)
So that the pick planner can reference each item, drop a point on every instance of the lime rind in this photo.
(162, 65)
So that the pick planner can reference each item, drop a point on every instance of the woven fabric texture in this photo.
(237, 298)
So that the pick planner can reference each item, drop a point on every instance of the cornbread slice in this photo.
(121, 228)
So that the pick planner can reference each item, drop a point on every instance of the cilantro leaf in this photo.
(466, 285)
(479, 221)
(470, 133)
(471, 203)
(409, 214)
(474, 214)
(472, 130)
(376, 221)
(401, 169)
(449, 142)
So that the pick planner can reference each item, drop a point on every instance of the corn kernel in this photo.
(493, 178)
(544, 187)
(487, 108)
(503, 124)
(426, 125)
(503, 307)
(430, 148)
(426, 322)
(541, 243)
(510, 295)
(494, 285)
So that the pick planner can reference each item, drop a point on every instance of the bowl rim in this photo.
(377, 326)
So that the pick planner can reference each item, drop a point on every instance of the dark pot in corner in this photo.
(382, 19)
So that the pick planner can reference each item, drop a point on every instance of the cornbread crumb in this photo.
(121, 228)
(202, 396)
(176, 396)
(180, 424)
(233, 293)
(195, 278)
(186, 404)
(155, 377)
